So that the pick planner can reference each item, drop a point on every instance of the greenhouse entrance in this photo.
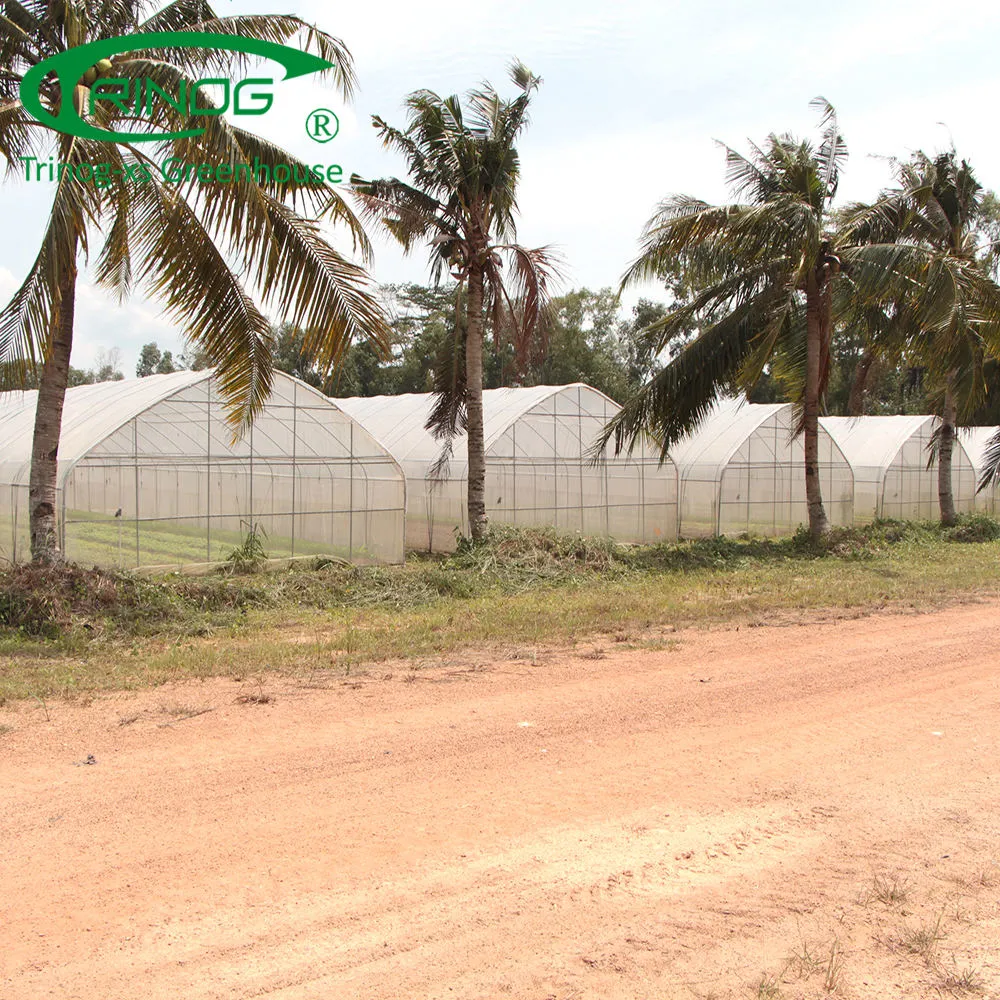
(150, 476)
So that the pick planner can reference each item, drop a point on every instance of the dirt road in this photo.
(774, 811)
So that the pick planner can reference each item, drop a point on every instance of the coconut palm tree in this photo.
(937, 210)
(765, 271)
(460, 200)
(209, 252)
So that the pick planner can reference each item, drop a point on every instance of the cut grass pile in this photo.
(75, 629)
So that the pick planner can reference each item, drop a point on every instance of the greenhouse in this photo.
(976, 441)
(538, 468)
(743, 470)
(149, 476)
(894, 473)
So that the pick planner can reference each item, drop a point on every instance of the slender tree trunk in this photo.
(474, 406)
(856, 400)
(48, 426)
(816, 323)
(946, 447)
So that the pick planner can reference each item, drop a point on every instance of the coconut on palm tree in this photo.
(214, 254)
(771, 274)
(460, 200)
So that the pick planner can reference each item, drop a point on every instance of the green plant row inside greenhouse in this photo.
(151, 475)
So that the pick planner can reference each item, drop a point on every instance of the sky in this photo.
(635, 97)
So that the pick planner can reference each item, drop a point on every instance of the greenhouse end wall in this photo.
(170, 488)
(743, 471)
(895, 471)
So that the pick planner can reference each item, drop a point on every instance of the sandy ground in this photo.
(765, 812)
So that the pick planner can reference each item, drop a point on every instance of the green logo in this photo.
(322, 125)
(88, 68)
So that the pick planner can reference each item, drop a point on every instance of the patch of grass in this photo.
(961, 979)
(986, 877)
(809, 960)
(251, 554)
(177, 709)
(922, 940)
(5, 729)
(257, 697)
(889, 889)
(767, 988)
(73, 630)
(833, 968)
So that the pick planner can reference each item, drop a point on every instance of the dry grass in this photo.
(888, 889)
(522, 593)
(923, 939)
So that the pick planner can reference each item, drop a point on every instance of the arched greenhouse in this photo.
(743, 470)
(895, 475)
(538, 468)
(149, 475)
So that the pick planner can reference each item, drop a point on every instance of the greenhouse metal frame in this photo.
(538, 467)
(894, 473)
(743, 471)
(150, 476)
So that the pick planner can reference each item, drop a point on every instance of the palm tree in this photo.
(762, 271)
(190, 245)
(461, 201)
(771, 274)
(937, 211)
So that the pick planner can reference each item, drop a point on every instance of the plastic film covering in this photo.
(976, 441)
(743, 470)
(538, 467)
(150, 476)
(895, 471)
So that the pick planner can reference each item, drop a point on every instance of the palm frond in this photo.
(990, 475)
(276, 28)
(320, 290)
(521, 306)
(406, 212)
(26, 321)
(182, 266)
(678, 397)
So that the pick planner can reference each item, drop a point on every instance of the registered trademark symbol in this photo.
(322, 125)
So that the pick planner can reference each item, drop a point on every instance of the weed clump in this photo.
(975, 527)
(51, 603)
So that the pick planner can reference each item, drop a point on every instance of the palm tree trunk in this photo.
(946, 447)
(43, 481)
(474, 407)
(815, 324)
(856, 400)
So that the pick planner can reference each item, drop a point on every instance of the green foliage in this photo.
(460, 199)
(590, 340)
(205, 251)
(870, 540)
(67, 629)
(251, 554)
(153, 361)
(974, 527)
(936, 224)
(741, 275)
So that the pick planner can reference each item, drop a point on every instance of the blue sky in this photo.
(634, 94)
